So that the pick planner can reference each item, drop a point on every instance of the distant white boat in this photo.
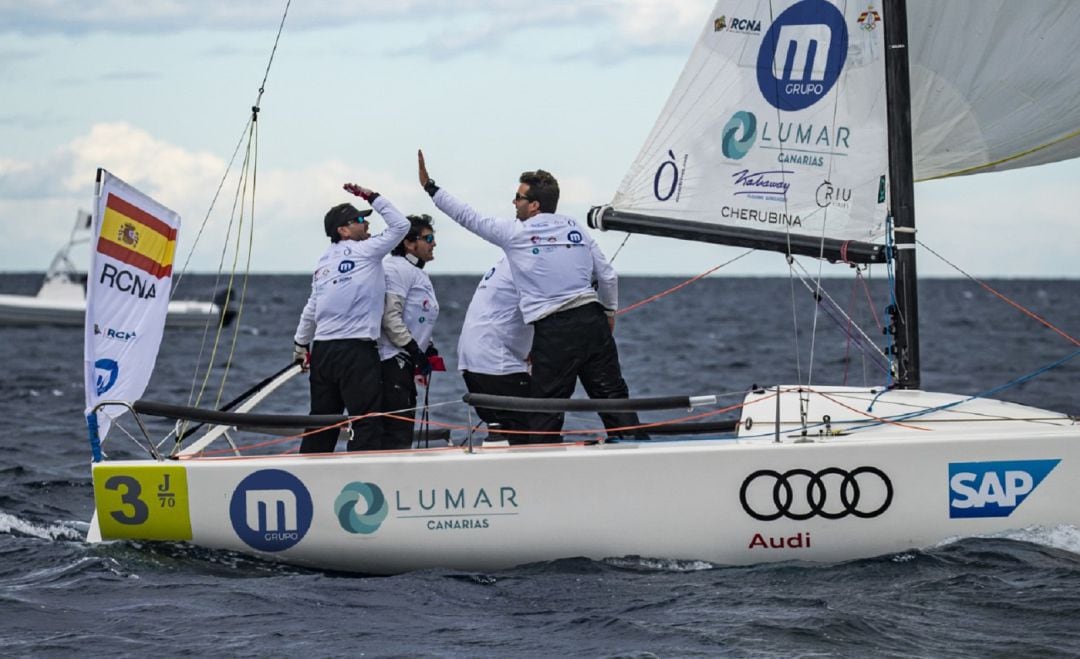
(61, 300)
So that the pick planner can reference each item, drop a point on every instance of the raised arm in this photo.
(397, 225)
(495, 230)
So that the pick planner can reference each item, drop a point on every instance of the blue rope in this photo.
(984, 394)
(95, 441)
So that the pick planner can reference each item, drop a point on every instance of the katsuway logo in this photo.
(374, 512)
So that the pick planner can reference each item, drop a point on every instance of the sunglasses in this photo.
(430, 238)
(520, 197)
(358, 220)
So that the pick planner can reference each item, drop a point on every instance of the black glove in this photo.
(419, 360)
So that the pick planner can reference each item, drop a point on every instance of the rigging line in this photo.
(1003, 297)
(683, 284)
(213, 202)
(985, 394)
(273, 51)
(247, 264)
(237, 201)
(623, 244)
(836, 307)
(217, 276)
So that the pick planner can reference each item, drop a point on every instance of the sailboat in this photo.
(790, 130)
(61, 299)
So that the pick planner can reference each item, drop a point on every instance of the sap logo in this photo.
(346, 266)
(802, 55)
(993, 489)
(106, 372)
(270, 510)
(575, 237)
(124, 281)
(490, 274)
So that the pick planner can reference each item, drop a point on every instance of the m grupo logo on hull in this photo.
(802, 55)
(270, 510)
(801, 494)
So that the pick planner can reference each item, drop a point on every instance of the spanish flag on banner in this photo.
(134, 236)
(128, 287)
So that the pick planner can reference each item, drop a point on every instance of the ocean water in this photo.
(1017, 595)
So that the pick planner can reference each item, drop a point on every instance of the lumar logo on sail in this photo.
(802, 55)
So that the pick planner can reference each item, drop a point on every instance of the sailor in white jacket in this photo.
(342, 320)
(493, 350)
(407, 326)
(554, 262)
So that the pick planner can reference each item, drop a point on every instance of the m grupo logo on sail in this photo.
(802, 55)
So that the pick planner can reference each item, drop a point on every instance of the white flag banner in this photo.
(127, 296)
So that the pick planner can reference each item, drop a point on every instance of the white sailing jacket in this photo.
(421, 310)
(552, 257)
(494, 337)
(348, 289)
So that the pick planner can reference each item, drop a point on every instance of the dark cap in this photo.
(339, 216)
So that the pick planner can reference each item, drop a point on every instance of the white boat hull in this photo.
(881, 490)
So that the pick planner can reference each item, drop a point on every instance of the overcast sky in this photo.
(158, 92)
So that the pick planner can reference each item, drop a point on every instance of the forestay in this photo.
(777, 123)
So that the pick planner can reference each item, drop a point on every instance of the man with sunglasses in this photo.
(407, 325)
(554, 261)
(342, 320)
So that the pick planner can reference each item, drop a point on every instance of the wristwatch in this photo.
(430, 187)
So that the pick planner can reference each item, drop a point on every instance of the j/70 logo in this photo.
(993, 489)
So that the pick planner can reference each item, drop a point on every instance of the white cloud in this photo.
(641, 26)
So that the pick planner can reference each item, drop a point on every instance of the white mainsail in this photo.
(777, 123)
(984, 95)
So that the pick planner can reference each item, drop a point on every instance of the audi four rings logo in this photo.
(831, 493)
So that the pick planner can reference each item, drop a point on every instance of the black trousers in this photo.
(399, 393)
(511, 384)
(572, 344)
(345, 375)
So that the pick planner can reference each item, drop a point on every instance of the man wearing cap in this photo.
(342, 319)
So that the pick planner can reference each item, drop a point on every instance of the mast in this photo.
(905, 317)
